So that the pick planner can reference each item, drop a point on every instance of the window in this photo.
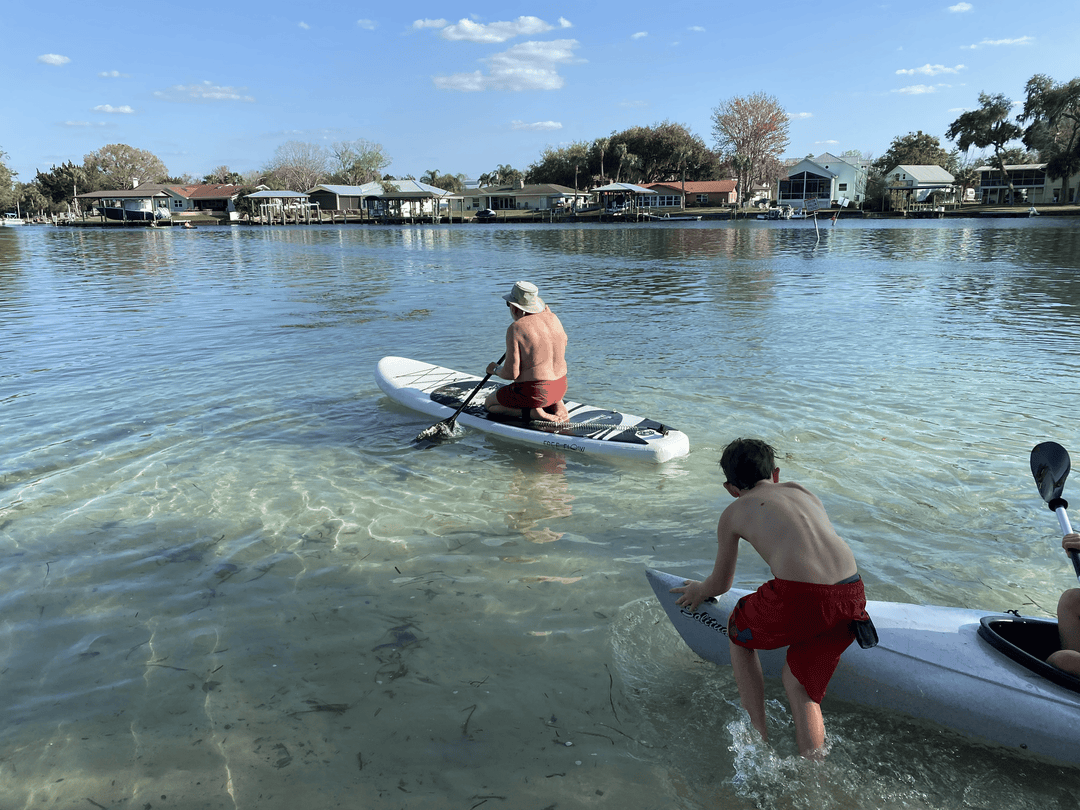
(702, 198)
(842, 187)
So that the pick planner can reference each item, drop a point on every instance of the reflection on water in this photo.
(227, 573)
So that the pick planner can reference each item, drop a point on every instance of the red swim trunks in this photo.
(812, 621)
(532, 394)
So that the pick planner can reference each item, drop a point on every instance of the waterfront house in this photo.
(399, 198)
(826, 178)
(1030, 185)
(519, 196)
(908, 185)
(679, 194)
(218, 199)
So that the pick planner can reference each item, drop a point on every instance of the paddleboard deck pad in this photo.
(590, 431)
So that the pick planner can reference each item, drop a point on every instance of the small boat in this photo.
(187, 226)
(670, 218)
(590, 431)
(980, 674)
(10, 220)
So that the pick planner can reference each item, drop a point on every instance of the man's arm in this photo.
(511, 365)
(723, 573)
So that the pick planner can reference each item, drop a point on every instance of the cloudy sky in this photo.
(464, 88)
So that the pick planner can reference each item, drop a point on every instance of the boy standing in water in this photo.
(811, 604)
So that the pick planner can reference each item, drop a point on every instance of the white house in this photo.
(827, 177)
(915, 184)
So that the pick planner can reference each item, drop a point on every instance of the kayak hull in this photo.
(438, 392)
(930, 663)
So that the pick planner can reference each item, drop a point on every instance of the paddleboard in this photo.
(931, 662)
(590, 431)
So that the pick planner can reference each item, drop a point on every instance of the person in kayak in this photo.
(1068, 616)
(535, 360)
(811, 606)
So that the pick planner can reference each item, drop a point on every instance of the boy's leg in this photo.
(751, 682)
(809, 724)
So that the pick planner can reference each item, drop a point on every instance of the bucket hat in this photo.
(526, 297)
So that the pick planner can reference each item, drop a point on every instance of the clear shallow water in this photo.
(228, 578)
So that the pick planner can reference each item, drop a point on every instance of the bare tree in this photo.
(358, 162)
(298, 166)
(749, 131)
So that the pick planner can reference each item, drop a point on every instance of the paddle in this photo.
(1050, 467)
(446, 426)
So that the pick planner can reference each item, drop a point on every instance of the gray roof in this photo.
(411, 188)
(627, 188)
(270, 194)
(925, 174)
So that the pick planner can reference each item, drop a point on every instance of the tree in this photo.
(61, 183)
(561, 166)
(358, 162)
(224, 175)
(297, 166)
(1052, 113)
(988, 126)
(30, 199)
(244, 205)
(122, 166)
(966, 172)
(915, 149)
(7, 184)
(666, 151)
(752, 129)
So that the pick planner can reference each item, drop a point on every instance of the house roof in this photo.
(924, 174)
(524, 191)
(699, 186)
(205, 191)
(143, 191)
(270, 194)
(806, 164)
(625, 188)
(404, 189)
(1012, 167)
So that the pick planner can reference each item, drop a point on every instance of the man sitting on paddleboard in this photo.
(1068, 616)
(535, 360)
(810, 605)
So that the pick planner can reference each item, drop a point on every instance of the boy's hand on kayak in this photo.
(693, 594)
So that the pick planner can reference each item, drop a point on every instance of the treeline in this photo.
(750, 137)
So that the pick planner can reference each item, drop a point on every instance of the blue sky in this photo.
(463, 88)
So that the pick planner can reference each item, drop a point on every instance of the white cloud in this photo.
(497, 31)
(699, 29)
(990, 43)
(800, 116)
(53, 59)
(639, 35)
(929, 70)
(367, 25)
(536, 126)
(305, 26)
(916, 89)
(420, 24)
(205, 91)
(526, 66)
(124, 109)
(960, 8)
(114, 74)
(829, 142)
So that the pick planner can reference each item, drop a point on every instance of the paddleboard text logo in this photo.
(705, 619)
(577, 448)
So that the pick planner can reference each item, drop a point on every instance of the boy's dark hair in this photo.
(747, 461)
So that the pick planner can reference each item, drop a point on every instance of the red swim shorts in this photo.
(812, 621)
(532, 394)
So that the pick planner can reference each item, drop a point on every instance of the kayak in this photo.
(980, 674)
(590, 431)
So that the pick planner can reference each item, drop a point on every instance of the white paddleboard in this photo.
(590, 431)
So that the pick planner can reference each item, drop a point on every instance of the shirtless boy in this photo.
(1068, 611)
(535, 360)
(808, 607)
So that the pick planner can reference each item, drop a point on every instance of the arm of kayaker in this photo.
(510, 367)
(723, 574)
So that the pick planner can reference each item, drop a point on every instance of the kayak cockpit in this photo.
(1028, 642)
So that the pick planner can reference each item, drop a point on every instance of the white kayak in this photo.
(590, 431)
(981, 674)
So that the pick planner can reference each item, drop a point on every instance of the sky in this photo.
(464, 88)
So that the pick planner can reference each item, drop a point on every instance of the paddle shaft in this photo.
(453, 419)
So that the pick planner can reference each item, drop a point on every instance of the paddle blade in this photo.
(1050, 467)
(440, 430)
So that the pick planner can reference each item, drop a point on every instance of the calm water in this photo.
(229, 579)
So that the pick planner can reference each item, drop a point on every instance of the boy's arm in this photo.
(723, 573)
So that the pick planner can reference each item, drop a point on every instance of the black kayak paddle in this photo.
(1050, 467)
(446, 426)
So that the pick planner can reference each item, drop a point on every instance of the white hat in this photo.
(526, 297)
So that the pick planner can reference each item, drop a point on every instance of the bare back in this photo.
(536, 347)
(787, 525)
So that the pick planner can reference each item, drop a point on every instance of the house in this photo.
(538, 197)
(281, 203)
(405, 198)
(916, 184)
(1030, 185)
(216, 198)
(624, 196)
(826, 178)
(697, 192)
(145, 202)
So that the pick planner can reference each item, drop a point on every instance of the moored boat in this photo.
(970, 671)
